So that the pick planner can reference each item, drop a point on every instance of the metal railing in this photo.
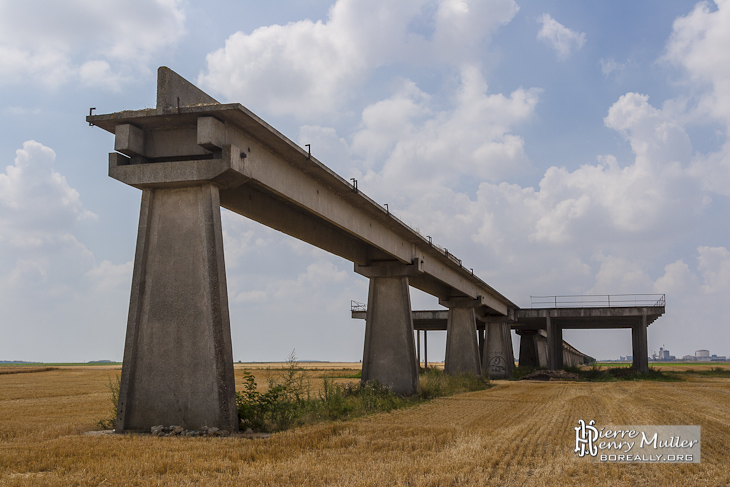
(356, 306)
(598, 301)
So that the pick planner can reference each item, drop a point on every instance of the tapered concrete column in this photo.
(528, 348)
(481, 336)
(178, 360)
(555, 345)
(640, 345)
(542, 348)
(390, 353)
(425, 349)
(462, 346)
(498, 358)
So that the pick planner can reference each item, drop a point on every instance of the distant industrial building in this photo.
(663, 356)
(704, 356)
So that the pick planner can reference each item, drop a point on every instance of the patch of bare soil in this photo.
(550, 375)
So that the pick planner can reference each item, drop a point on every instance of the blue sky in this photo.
(557, 147)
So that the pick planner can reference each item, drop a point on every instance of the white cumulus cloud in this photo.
(562, 39)
(698, 45)
(51, 287)
(96, 42)
(425, 149)
(309, 68)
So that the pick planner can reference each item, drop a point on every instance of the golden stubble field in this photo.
(516, 433)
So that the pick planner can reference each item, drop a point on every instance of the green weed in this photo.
(111, 422)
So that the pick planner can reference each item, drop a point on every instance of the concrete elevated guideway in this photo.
(495, 345)
(541, 328)
(555, 320)
(191, 155)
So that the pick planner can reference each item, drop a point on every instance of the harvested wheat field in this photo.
(516, 433)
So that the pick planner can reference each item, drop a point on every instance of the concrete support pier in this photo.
(178, 360)
(555, 345)
(462, 345)
(640, 346)
(498, 358)
(528, 348)
(390, 353)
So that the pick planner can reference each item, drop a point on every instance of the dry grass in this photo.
(516, 433)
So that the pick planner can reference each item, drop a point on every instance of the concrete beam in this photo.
(391, 269)
(226, 171)
(178, 359)
(586, 318)
(389, 355)
(277, 169)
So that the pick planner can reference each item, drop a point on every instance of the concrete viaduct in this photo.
(192, 155)
(541, 329)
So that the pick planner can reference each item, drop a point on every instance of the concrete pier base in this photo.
(178, 360)
(498, 358)
(390, 353)
(462, 346)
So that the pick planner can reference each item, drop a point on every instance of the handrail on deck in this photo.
(598, 300)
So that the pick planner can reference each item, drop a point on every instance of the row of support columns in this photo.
(389, 354)
(535, 353)
(178, 361)
(497, 358)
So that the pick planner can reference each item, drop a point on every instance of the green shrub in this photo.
(281, 406)
(111, 422)
(522, 370)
